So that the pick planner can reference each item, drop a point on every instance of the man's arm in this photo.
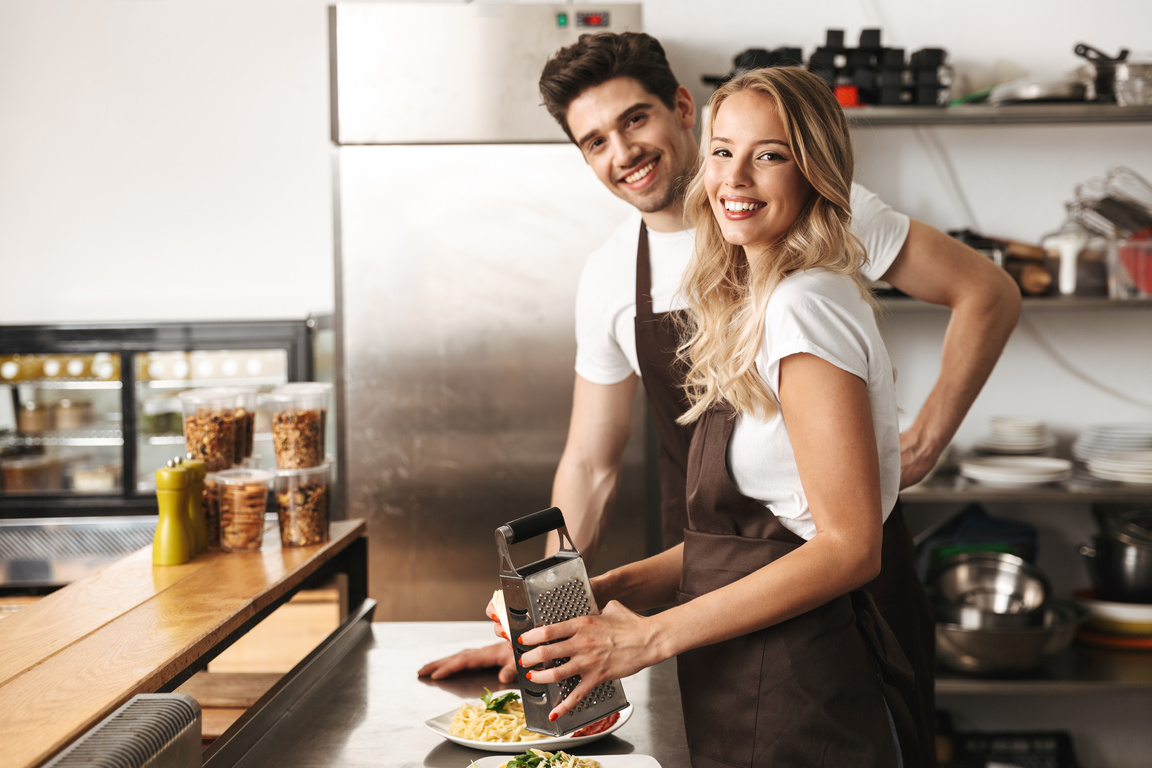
(589, 470)
(985, 304)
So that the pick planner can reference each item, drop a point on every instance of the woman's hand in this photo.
(617, 643)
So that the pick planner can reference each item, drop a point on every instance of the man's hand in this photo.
(495, 655)
(916, 460)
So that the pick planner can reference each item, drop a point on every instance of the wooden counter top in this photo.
(72, 658)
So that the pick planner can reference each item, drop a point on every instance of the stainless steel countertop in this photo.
(370, 710)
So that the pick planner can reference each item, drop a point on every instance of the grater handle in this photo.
(532, 525)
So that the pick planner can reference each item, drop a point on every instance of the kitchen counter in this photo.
(371, 708)
(78, 654)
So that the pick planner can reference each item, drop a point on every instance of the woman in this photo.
(794, 464)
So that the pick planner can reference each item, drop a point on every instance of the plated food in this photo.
(442, 726)
(496, 717)
(604, 761)
(535, 758)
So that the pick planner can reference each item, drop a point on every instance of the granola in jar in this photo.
(210, 435)
(298, 438)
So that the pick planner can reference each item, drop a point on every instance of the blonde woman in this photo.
(794, 465)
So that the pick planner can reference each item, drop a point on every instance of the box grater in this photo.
(546, 592)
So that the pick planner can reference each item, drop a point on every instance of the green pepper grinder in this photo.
(197, 471)
(172, 544)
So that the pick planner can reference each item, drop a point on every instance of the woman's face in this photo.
(754, 185)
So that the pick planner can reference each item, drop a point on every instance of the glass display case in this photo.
(88, 413)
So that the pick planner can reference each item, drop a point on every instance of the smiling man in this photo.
(617, 99)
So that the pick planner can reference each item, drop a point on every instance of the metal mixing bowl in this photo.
(988, 589)
(1007, 649)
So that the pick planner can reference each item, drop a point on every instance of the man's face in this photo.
(638, 148)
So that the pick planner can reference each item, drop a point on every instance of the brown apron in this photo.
(809, 691)
(897, 590)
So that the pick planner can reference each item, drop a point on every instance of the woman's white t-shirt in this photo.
(823, 314)
(606, 297)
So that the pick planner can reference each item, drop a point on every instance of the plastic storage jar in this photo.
(323, 391)
(243, 497)
(210, 426)
(298, 419)
(303, 498)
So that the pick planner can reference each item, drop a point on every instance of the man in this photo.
(616, 98)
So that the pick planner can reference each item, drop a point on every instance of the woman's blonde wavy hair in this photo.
(727, 298)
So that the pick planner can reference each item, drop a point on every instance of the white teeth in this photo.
(732, 205)
(640, 173)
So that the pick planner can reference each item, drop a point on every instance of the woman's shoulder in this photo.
(820, 282)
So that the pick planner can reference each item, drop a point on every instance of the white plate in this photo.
(606, 761)
(1134, 613)
(440, 725)
(1122, 477)
(1016, 471)
(991, 445)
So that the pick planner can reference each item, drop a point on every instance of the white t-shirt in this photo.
(823, 314)
(606, 297)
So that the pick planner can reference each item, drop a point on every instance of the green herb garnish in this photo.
(494, 703)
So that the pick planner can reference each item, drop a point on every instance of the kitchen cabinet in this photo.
(88, 412)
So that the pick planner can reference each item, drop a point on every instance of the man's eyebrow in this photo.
(620, 118)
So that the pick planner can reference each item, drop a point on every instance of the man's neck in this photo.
(670, 219)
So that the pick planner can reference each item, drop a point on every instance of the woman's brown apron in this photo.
(809, 691)
(897, 590)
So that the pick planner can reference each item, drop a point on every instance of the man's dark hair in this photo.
(596, 59)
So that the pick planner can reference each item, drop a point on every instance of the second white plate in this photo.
(606, 761)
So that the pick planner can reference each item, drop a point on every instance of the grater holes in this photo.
(565, 601)
(599, 694)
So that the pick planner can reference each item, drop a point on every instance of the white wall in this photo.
(168, 159)
(164, 160)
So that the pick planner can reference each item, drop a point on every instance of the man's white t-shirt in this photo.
(606, 297)
(823, 314)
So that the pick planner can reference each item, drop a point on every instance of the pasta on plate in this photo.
(534, 758)
(478, 723)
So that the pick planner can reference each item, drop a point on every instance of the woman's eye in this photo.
(721, 153)
(771, 156)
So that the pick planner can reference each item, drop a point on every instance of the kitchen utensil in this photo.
(980, 589)
(1133, 83)
(546, 592)
(1009, 649)
(1121, 556)
(441, 725)
(1103, 69)
(1067, 243)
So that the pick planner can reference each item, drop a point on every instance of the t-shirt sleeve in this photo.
(599, 358)
(880, 227)
(825, 324)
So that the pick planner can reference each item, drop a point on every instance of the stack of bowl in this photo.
(995, 614)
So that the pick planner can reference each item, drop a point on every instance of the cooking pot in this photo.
(1121, 558)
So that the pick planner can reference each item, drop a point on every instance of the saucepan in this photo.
(1121, 556)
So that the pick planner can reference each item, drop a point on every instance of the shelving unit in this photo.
(1006, 114)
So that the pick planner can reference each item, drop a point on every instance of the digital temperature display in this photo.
(592, 19)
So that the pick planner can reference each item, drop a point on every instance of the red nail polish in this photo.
(528, 675)
(552, 717)
(520, 639)
(495, 618)
(503, 635)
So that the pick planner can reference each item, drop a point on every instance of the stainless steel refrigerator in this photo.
(463, 218)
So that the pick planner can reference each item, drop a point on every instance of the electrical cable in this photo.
(1068, 366)
(946, 172)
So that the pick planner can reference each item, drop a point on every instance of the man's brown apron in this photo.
(897, 590)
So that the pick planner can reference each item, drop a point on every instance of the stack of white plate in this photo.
(1016, 471)
(1131, 467)
(1014, 435)
(1103, 439)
